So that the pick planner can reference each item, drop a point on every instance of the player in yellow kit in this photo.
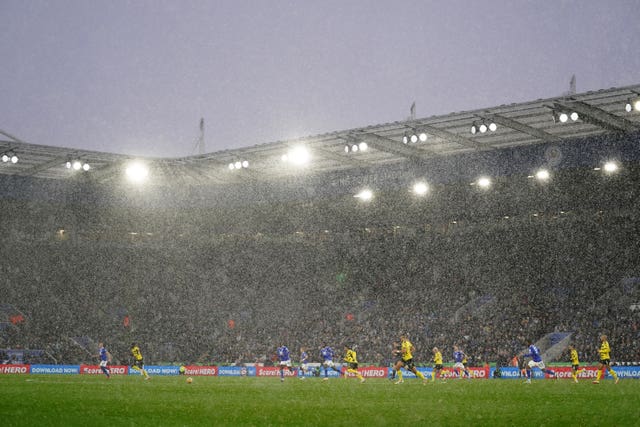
(138, 362)
(575, 362)
(437, 364)
(352, 359)
(605, 360)
(406, 361)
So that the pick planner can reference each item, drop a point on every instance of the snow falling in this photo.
(224, 274)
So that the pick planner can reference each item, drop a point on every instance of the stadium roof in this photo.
(600, 112)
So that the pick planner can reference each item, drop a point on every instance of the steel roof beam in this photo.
(450, 137)
(392, 147)
(521, 127)
(597, 116)
(346, 158)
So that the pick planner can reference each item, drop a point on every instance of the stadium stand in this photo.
(223, 272)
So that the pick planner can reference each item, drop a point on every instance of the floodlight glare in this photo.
(420, 188)
(414, 138)
(77, 165)
(422, 137)
(493, 127)
(483, 128)
(299, 156)
(405, 139)
(354, 148)
(363, 146)
(474, 129)
(543, 175)
(636, 105)
(563, 117)
(5, 158)
(484, 182)
(574, 116)
(67, 165)
(137, 172)
(245, 163)
(237, 164)
(14, 159)
(346, 148)
(86, 167)
(364, 195)
(610, 167)
(231, 166)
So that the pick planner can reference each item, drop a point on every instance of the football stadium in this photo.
(494, 231)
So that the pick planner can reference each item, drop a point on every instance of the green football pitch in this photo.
(60, 400)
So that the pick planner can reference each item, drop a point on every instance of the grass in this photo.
(68, 400)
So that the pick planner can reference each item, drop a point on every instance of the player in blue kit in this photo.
(536, 362)
(304, 360)
(105, 358)
(460, 360)
(285, 360)
(327, 354)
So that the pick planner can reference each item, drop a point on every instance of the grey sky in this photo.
(135, 77)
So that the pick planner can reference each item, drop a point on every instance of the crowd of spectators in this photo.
(230, 286)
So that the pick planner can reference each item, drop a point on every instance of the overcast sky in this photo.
(135, 77)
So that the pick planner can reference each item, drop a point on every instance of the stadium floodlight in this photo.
(483, 126)
(611, 167)
(10, 157)
(420, 188)
(298, 156)
(355, 147)
(543, 175)
(564, 117)
(365, 195)
(632, 105)
(238, 164)
(415, 137)
(77, 165)
(484, 182)
(137, 172)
